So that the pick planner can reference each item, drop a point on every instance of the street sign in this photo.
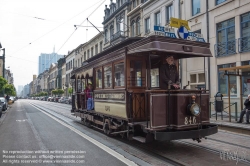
(177, 23)
(183, 32)
(164, 31)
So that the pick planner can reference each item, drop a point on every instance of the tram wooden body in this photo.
(126, 104)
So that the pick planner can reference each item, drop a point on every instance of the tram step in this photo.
(140, 139)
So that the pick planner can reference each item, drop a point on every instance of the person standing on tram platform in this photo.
(169, 74)
(89, 94)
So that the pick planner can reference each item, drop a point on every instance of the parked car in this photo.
(12, 99)
(52, 99)
(3, 104)
(61, 100)
(68, 101)
(48, 98)
(57, 99)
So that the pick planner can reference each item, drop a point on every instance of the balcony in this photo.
(117, 35)
(244, 44)
(225, 48)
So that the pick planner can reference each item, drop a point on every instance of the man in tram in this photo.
(169, 76)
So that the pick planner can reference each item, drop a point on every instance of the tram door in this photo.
(136, 83)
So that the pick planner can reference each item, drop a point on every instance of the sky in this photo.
(31, 27)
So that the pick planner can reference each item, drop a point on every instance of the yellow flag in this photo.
(177, 23)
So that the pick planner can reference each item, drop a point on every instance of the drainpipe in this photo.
(209, 84)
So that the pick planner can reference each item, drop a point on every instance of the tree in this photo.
(60, 91)
(54, 92)
(70, 90)
(10, 89)
(3, 82)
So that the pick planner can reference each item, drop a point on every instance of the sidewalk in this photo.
(223, 124)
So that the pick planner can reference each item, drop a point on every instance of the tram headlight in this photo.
(195, 109)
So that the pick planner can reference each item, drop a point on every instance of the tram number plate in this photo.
(190, 120)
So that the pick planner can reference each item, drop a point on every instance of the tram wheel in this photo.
(86, 122)
(106, 127)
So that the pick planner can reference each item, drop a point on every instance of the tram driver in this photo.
(169, 75)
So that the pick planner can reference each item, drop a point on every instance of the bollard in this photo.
(236, 112)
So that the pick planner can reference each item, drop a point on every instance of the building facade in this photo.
(226, 26)
(45, 60)
(53, 72)
(70, 60)
(115, 22)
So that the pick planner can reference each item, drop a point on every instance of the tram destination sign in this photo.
(164, 31)
(183, 33)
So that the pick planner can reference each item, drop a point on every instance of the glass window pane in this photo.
(119, 74)
(99, 78)
(169, 12)
(231, 34)
(219, 1)
(158, 19)
(196, 7)
(221, 36)
(193, 78)
(155, 77)
(201, 77)
(223, 81)
(135, 78)
(108, 77)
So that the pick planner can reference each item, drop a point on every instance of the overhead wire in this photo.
(54, 28)
(76, 29)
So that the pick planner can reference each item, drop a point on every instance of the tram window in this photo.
(79, 88)
(119, 74)
(99, 78)
(155, 77)
(108, 76)
(136, 73)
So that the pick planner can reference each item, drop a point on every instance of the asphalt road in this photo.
(29, 135)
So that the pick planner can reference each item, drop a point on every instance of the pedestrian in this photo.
(169, 74)
(7, 98)
(89, 95)
(246, 111)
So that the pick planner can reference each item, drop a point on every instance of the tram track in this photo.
(149, 149)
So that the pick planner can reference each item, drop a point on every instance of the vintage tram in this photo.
(127, 97)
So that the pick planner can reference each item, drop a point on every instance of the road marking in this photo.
(100, 145)
(22, 120)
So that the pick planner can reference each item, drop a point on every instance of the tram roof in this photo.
(160, 45)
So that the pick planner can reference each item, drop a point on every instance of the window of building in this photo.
(81, 60)
(111, 32)
(96, 49)
(133, 28)
(169, 11)
(92, 51)
(219, 1)
(245, 79)
(99, 78)
(85, 56)
(226, 43)
(223, 81)
(147, 25)
(100, 46)
(120, 26)
(134, 3)
(88, 54)
(119, 74)
(244, 41)
(138, 26)
(155, 77)
(106, 35)
(197, 80)
(108, 77)
(158, 19)
(196, 7)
